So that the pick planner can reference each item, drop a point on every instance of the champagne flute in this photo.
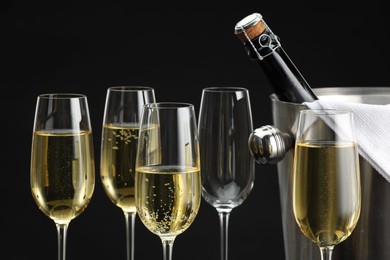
(326, 178)
(119, 148)
(62, 160)
(168, 180)
(228, 169)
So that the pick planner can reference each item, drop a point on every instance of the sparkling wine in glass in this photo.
(168, 180)
(326, 178)
(62, 160)
(119, 149)
(228, 169)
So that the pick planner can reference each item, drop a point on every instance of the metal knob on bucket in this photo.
(268, 145)
(272, 145)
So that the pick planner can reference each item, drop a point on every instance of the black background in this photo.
(177, 49)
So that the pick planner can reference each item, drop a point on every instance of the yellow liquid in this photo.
(167, 198)
(62, 173)
(326, 192)
(117, 171)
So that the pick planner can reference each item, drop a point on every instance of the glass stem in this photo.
(130, 234)
(62, 230)
(167, 243)
(326, 252)
(224, 227)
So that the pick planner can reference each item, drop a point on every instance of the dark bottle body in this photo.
(288, 83)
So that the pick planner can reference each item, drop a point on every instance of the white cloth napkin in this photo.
(372, 129)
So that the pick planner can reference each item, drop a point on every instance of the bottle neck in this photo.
(264, 46)
(261, 46)
(288, 82)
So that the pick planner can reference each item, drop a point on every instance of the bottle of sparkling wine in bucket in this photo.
(264, 46)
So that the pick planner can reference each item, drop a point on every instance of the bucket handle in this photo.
(268, 145)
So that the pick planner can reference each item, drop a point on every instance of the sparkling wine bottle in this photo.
(264, 46)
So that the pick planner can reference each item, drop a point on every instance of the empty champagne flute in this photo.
(228, 169)
(62, 160)
(168, 180)
(326, 178)
(119, 143)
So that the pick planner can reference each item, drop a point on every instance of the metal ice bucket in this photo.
(273, 144)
